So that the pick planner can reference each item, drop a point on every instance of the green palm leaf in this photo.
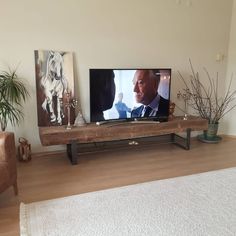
(12, 93)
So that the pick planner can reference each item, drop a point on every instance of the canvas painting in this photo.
(54, 87)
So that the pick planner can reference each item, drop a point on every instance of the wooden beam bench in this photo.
(92, 133)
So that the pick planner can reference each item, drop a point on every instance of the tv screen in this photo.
(129, 94)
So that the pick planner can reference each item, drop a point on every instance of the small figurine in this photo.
(171, 110)
(79, 121)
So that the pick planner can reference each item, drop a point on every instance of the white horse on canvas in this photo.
(54, 84)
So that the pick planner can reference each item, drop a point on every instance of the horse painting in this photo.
(54, 85)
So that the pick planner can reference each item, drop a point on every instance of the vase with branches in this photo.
(206, 100)
(12, 93)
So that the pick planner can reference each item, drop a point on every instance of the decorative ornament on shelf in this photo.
(80, 121)
(186, 97)
(207, 102)
(171, 110)
(69, 103)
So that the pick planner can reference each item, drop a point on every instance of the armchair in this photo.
(8, 172)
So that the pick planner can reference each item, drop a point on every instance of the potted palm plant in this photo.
(207, 101)
(12, 93)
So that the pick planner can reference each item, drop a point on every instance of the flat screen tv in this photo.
(129, 94)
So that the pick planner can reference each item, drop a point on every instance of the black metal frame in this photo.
(72, 152)
(174, 138)
(186, 141)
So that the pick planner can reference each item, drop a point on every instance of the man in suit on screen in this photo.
(146, 84)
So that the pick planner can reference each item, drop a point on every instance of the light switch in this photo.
(219, 57)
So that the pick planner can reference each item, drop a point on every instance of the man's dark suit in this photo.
(163, 109)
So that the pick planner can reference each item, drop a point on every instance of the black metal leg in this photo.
(68, 149)
(72, 152)
(186, 144)
(188, 138)
(172, 137)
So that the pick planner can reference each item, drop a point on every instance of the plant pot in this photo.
(210, 135)
(211, 132)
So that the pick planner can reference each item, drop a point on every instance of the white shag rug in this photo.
(201, 204)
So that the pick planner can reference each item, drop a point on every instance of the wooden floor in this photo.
(52, 176)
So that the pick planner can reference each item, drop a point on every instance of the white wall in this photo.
(229, 122)
(111, 33)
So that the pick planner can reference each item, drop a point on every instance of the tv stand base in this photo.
(73, 154)
(92, 133)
